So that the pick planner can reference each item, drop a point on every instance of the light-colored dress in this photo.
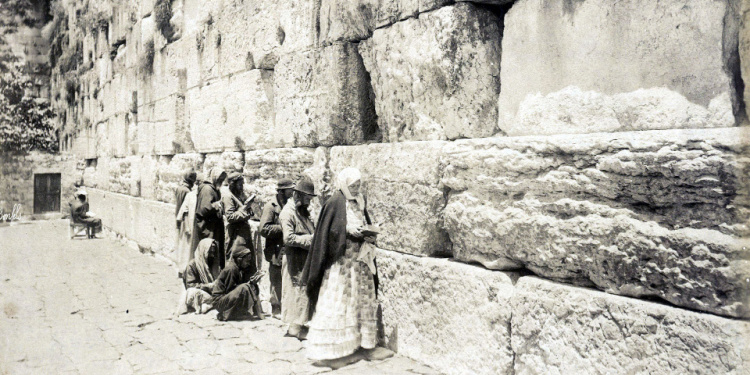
(346, 313)
(186, 216)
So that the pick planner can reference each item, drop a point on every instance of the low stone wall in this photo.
(17, 179)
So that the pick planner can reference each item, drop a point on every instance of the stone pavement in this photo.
(102, 307)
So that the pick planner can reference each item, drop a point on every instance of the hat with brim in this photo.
(285, 183)
(305, 186)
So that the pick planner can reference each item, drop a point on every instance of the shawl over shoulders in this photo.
(328, 245)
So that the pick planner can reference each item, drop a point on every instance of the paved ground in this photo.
(101, 307)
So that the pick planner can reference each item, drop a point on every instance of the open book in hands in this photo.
(90, 214)
(370, 230)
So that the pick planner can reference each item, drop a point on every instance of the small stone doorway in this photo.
(46, 193)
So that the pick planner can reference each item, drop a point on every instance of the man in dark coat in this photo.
(79, 213)
(233, 297)
(237, 212)
(209, 222)
(188, 179)
(270, 228)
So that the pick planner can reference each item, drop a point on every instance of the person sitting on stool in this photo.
(79, 213)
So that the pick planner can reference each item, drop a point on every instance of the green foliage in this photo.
(25, 122)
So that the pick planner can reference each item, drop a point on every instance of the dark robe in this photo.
(209, 222)
(179, 196)
(78, 212)
(231, 296)
(238, 230)
(328, 246)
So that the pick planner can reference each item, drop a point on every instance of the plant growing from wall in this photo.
(147, 58)
(162, 16)
(25, 122)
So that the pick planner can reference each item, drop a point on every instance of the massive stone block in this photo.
(323, 97)
(230, 161)
(170, 171)
(263, 168)
(744, 48)
(452, 316)
(125, 175)
(161, 127)
(682, 53)
(352, 20)
(233, 113)
(436, 76)
(560, 329)
(401, 184)
(655, 213)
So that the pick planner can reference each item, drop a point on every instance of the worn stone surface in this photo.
(559, 329)
(233, 113)
(78, 307)
(400, 181)
(322, 97)
(125, 175)
(744, 51)
(453, 316)
(230, 161)
(352, 20)
(617, 48)
(170, 171)
(655, 213)
(263, 168)
(436, 76)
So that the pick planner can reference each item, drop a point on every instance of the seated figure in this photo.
(79, 213)
(235, 294)
(198, 279)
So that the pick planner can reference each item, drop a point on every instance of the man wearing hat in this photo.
(270, 228)
(79, 213)
(237, 212)
(297, 230)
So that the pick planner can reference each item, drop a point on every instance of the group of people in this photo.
(322, 270)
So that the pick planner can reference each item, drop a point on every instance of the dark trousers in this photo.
(274, 275)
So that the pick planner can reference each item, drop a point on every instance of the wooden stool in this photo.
(76, 228)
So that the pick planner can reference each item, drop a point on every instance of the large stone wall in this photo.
(580, 164)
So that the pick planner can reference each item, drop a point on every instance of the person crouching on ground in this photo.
(79, 213)
(341, 279)
(270, 228)
(198, 279)
(233, 298)
(297, 228)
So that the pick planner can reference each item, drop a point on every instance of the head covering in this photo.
(346, 178)
(80, 192)
(216, 174)
(199, 177)
(234, 176)
(285, 183)
(201, 260)
(189, 177)
(306, 186)
(240, 251)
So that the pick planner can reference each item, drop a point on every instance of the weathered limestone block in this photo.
(559, 329)
(161, 127)
(229, 161)
(169, 76)
(654, 213)
(233, 113)
(401, 184)
(352, 20)
(683, 54)
(263, 168)
(125, 175)
(170, 171)
(744, 48)
(147, 167)
(436, 76)
(452, 316)
(149, 223)
(298, 24)
(251, 35)
(323, 97)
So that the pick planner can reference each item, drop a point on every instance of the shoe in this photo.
(338, 363)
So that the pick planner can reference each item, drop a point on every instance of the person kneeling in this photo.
(198, 279)
(233, 298)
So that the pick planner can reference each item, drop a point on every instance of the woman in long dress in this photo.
(341, 278)
(185, 223)
(198, 279)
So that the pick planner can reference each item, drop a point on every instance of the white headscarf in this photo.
(346, 178)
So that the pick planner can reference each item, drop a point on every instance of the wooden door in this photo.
(46, 193)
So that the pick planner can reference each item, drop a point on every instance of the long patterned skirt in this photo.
(346, 313)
